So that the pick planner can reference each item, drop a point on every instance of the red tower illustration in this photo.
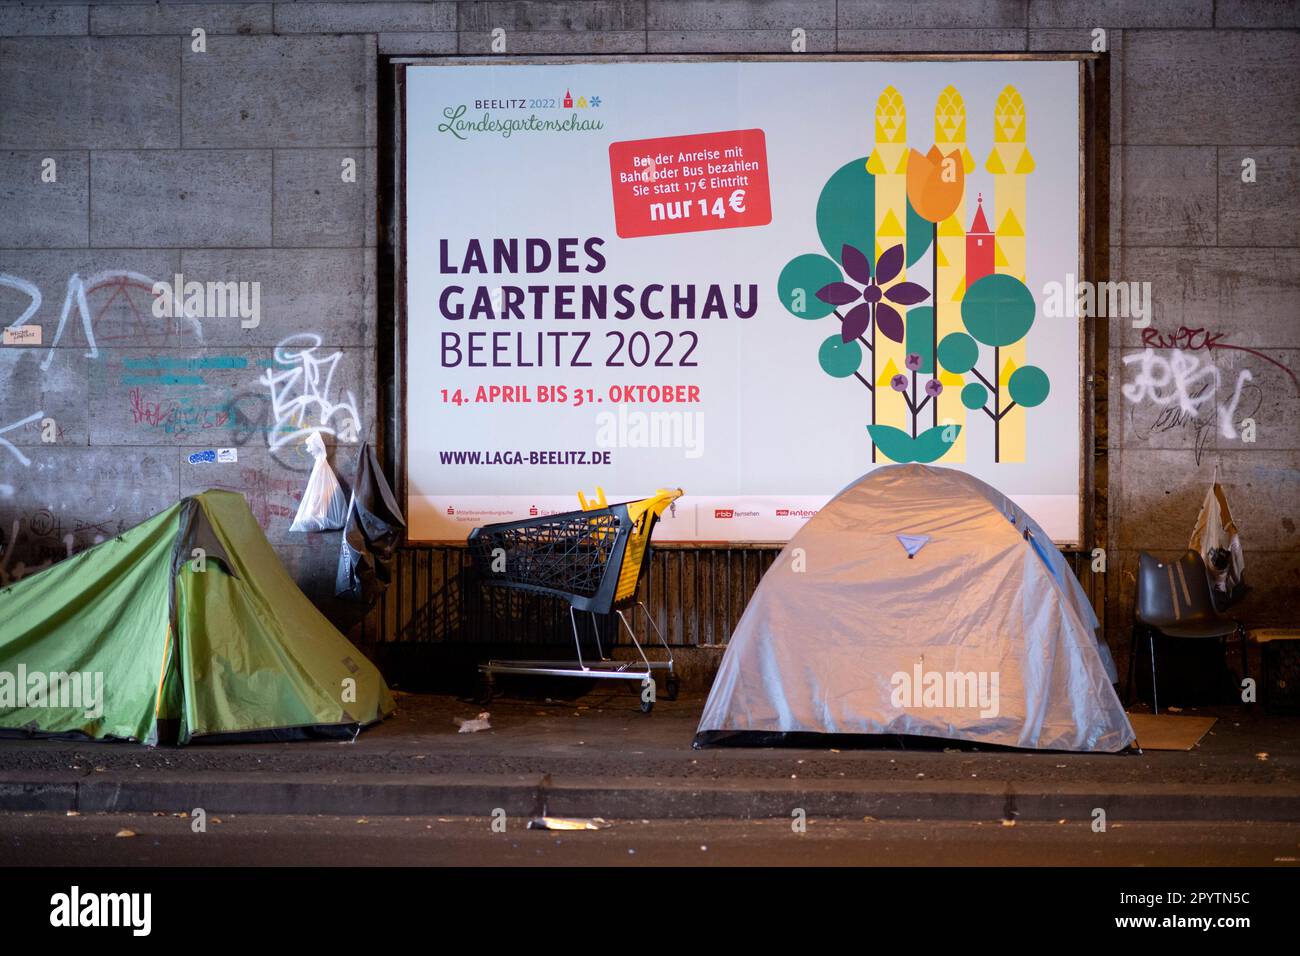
(979, 246)
(568, 100)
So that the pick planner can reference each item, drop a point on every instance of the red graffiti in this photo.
(152, 413)
(1195, 340)
(1185, 339)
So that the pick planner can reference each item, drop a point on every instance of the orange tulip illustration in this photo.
(935, 183)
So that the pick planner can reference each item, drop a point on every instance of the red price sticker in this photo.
(690, 183)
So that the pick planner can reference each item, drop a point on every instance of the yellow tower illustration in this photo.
(888, 164)
(1011, 164)
(950, 137)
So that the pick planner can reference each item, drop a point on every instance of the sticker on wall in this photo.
(23, 335)
(207, 457)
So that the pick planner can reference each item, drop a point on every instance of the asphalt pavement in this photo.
(598, 755)
(255, 840)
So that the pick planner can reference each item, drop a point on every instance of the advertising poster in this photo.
(755, 281)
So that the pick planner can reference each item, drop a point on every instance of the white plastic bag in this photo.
(323, 506)
(1215, 537)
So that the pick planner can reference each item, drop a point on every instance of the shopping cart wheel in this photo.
(486, 689)
(647, 705)
(671, 686)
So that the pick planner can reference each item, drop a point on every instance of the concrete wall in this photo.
(227, 164)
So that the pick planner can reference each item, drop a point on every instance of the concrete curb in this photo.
(528, 794)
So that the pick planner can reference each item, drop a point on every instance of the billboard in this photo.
(754, 280)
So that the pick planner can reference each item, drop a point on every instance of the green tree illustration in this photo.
(997, 310)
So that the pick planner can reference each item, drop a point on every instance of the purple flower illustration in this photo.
(913, 361)
(933, 387)
(858, 319)
(898, 383)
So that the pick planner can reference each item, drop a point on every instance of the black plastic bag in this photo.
(370, 534)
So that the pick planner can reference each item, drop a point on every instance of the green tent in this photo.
(186, 626)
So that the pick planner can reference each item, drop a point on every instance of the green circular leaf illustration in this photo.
(846, 211)
(998, 310)
(1029, 386)
(799, 281)
(958, 353)
(839, 358)
(974, 395)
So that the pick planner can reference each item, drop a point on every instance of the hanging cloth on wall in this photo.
(371, 533)
(1215, 537)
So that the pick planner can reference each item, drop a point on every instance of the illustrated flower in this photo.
(935, 183)
(898, 383)
(858, 318)
(913, 361)
(933, 387)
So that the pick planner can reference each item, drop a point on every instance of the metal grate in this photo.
(696, 596)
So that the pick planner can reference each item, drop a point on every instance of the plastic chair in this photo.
(1174, 600)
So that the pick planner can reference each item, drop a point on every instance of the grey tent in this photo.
(920, 601)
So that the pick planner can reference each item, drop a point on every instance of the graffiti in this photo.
(40, 553)
(1187, 385)
(1184, 339)
(1198, 339)
(176, 416)
(1186, 381)
(150, 413)
(261, 492)
(4, 443)
(45, 541)
(1185, 390)
(300, 393)
(46, 427)
(112, 287)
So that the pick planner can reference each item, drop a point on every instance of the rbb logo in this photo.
(724, 512)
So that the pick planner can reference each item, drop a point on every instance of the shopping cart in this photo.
(594, 559)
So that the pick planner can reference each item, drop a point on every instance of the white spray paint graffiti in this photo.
(302, 391)
(22, 459)
(27, 289)
(1184, 378)
(75, 297)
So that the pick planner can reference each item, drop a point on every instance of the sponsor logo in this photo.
(723, 513)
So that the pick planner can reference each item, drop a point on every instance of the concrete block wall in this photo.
(225, 165)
